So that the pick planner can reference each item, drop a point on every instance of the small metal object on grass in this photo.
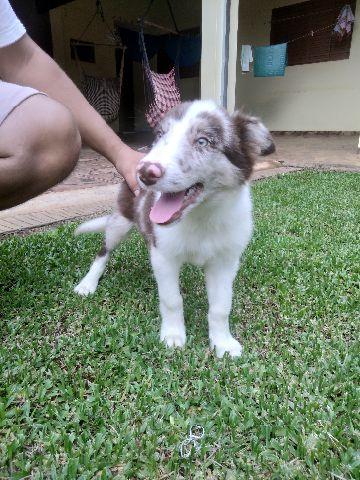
(196, 433)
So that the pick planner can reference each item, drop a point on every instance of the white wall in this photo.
(213, 52)
(314, 97)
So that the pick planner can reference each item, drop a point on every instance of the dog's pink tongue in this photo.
(166, 206)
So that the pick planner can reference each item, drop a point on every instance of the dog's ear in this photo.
(253, 133)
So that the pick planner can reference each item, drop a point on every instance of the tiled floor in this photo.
(91, 188)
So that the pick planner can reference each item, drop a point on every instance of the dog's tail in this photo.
(92, 226)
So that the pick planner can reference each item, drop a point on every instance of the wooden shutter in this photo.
(295, 21)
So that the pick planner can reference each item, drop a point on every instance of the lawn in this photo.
(87, 391)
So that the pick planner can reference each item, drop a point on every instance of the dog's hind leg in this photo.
(116, 228)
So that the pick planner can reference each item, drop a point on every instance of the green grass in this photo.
(88, 391)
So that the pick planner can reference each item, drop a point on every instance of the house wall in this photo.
(70, 20)
(314, 97)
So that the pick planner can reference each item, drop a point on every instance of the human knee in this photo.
(70, 138)
(52, 145)
(57, 148)
(40, 143)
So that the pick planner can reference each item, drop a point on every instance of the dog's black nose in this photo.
(149, 173)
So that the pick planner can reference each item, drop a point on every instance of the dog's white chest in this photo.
(212, 232)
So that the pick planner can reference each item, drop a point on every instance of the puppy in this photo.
(194, 206)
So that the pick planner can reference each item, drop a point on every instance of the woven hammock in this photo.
(161, 90)
(103, 94)
(164, 95)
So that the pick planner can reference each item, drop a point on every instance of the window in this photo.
(294, 21)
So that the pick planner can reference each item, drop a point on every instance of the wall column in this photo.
(219, 51)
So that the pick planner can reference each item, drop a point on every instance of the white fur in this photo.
(212, 233)
(116, 227)
(95, 225)
(167, 150)
(260, 135)
(90, 282)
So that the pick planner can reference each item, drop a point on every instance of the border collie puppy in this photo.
(194, 206)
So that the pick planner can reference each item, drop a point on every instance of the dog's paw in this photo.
(85, 287)
(226, 345)
(173, 339)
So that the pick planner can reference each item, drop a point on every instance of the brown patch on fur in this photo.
(125, 202)
(241, 151)
(210, 124)
(144, 203)
(129, 207)
(148, 204)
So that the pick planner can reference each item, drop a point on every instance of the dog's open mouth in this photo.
(169, 206)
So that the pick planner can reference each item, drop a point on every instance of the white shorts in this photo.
(11, 95)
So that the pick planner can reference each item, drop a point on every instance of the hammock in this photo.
(161, 90)
(103, 94)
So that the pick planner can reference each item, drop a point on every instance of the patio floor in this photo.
(91, 188)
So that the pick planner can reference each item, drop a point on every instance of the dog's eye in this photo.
(202, 142)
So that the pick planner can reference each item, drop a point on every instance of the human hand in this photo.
(126, 163)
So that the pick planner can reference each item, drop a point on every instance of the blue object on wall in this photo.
(270, 61)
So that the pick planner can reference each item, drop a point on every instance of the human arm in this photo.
(25, 63)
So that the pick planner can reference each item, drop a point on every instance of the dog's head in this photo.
(200, 149)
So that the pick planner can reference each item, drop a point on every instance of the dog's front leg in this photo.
(166, 272)
(220, 274)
